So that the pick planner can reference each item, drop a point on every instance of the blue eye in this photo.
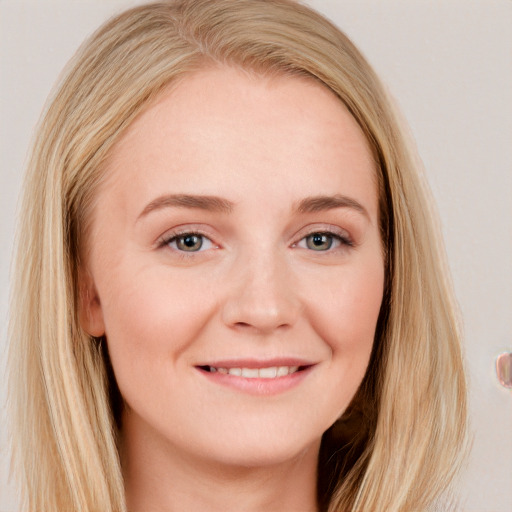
(189, 242)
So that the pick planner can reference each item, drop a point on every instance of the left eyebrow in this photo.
(323, 203)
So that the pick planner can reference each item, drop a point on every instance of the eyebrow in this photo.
(208, 203)
(218, 204)
(323, 203)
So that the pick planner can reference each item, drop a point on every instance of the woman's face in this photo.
(235, 266)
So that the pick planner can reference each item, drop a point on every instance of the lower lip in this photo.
(257, 386)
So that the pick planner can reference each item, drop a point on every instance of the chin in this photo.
(262, 447)
(265, 456)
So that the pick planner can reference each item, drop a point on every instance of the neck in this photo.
(168, 480)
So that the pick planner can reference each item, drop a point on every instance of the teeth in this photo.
(250, 373)
(254, 373)
(285, 370)
(268, 373)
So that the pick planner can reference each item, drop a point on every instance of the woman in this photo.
(227, 260)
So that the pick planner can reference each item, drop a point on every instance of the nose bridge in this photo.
(262, 297)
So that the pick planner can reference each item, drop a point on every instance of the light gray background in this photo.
(449, 65)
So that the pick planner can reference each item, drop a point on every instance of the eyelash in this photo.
(343, 241)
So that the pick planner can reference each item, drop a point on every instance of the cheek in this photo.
(150, 319)
(344, 309)
(344, 312)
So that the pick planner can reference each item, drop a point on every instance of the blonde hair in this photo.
(399, 443)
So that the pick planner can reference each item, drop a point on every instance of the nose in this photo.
(262, 297)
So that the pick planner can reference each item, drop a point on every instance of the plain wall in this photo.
(449, 64)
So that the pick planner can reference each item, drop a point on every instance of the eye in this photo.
(189, 242)
(323, 241)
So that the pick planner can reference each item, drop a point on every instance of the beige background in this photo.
(449, 64)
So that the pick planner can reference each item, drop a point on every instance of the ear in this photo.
(90, 313)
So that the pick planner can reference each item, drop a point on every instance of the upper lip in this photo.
(258, 363)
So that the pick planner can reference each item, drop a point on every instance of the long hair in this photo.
(398, 444)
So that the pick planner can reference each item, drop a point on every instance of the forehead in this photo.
(223, 126)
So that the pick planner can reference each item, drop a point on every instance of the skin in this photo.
(257, 289)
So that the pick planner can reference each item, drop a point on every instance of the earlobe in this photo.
(90, 313)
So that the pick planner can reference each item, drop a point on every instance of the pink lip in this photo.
(258, 386)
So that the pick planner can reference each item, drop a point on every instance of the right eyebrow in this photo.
(209, 203)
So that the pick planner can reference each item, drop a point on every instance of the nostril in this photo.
(260, 326)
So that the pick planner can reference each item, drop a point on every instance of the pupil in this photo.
(318, 239)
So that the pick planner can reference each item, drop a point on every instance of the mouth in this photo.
(258, 377)
(270, 372)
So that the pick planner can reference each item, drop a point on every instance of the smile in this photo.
(258, 377)
(272, 372)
